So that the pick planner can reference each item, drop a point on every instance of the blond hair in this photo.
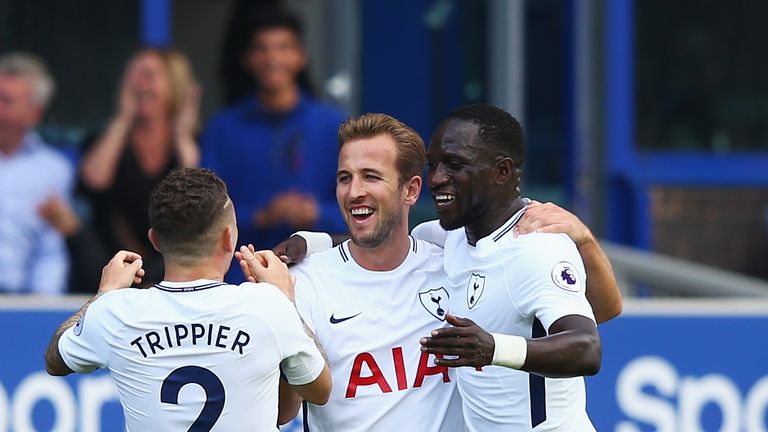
(179, 72)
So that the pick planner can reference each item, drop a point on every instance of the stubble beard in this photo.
(381, 232)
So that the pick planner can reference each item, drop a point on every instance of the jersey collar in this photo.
(505, 228)
(195, 285)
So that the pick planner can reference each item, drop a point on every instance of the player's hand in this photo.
(550, 218)
(466, 344)
(265, 266)
(291, 250)
(244, 264)
(121, 271)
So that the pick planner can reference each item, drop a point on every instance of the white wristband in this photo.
(510, 351)
(316, 241)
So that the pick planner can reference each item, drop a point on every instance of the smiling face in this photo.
(275, 59)
(460, 174)
(371, 197)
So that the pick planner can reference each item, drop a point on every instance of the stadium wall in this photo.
(668, 365)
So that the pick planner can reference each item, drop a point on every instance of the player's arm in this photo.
(572, 348)
(317, 392)
(289, 402)
(264, 266)
(431, 232)
(603, 292)
(304, 243)
(121, 271)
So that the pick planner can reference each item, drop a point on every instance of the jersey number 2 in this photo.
(214, 394)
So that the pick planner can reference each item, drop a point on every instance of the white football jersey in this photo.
(370, 324)
(517, 286)
(227, 341)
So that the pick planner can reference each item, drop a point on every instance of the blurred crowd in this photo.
(275, 148)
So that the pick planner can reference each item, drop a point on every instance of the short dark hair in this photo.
(272, 18)
(497, 129)
(184, 210)
(410, 147)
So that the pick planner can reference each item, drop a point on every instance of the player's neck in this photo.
(493, 218)
(177, 272)
(385, 257)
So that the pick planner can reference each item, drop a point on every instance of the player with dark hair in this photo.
(526, 319)
(280, 137)
(371, 298)
(604, 294)
(232, 342)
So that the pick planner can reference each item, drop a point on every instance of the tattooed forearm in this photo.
(53, 361)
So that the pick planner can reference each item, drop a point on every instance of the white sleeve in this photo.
(84, 347)
(430, 231)
(553, 282)
(316, 241)
(302, 361)
(305, 294)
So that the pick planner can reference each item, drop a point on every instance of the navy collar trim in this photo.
(202, 287)
(343, 253)
(511, 224)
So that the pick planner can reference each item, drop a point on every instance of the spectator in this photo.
(86, 251)
(152, 132)
(280, 139)
(33, 256)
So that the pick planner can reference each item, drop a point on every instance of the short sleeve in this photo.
(304, 291)
(302, 361)
(430, 231)
(553, 283)
(84, 347)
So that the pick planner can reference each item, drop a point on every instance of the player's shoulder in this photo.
(544, 242)
(257, 293)
(541, 252)
(327, 261)
(121, 301)
(428, 254)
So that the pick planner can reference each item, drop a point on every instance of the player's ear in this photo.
(228, 239)
(504, 170)
(412, 190)
(153, 239)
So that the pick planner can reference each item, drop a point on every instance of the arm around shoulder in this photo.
(602, 292)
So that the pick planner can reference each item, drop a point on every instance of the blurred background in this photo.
(646, 118)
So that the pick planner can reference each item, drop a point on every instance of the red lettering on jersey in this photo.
(425, 370)
(397, 357)
(376, 377)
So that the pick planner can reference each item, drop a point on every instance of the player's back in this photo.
(202, 353)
